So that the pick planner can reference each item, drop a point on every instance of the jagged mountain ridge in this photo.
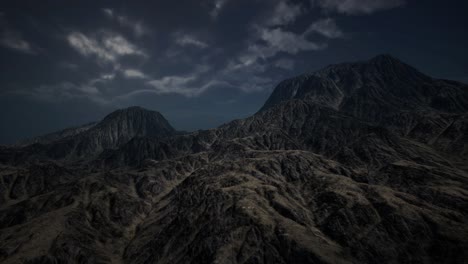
(302, 181)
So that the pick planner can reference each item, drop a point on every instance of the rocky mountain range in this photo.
(363, 162)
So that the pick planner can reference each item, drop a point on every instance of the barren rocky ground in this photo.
(361, 162)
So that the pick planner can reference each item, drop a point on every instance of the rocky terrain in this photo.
(361, 162)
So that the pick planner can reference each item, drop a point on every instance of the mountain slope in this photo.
(382, 83)
(122, 125)
(113, 131)
(352, 164)
(56, 136)
(387, 93)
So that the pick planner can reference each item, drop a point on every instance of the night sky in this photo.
(200, 63)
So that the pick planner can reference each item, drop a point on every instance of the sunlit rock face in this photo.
(357, 163)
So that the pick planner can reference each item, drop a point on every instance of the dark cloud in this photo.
(138, 28)
(201, 63)
(217, 7)
(278, 40)
(355, 7)
(133, 73)
(106, 46)
(326, 27)
(13, 39)
(284, 13)
(284, 63)
(185, 39)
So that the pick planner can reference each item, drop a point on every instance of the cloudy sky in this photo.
(200, 63)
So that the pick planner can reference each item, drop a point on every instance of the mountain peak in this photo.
(384, 57)
(381, 61)
(118, 128)
(380, 84)
(132, 111)
(388, 61)
(135, 108)
(136, 117)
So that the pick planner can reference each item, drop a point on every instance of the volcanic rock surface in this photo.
(360, 162)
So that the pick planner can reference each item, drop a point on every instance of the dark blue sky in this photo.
(200, 63)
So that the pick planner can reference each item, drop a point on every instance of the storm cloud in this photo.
(185, 59)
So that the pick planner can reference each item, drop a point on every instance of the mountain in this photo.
(356, 163)
(382, 84)
(388, 93)
(56, 136)
(115, 130)
(121, 126)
